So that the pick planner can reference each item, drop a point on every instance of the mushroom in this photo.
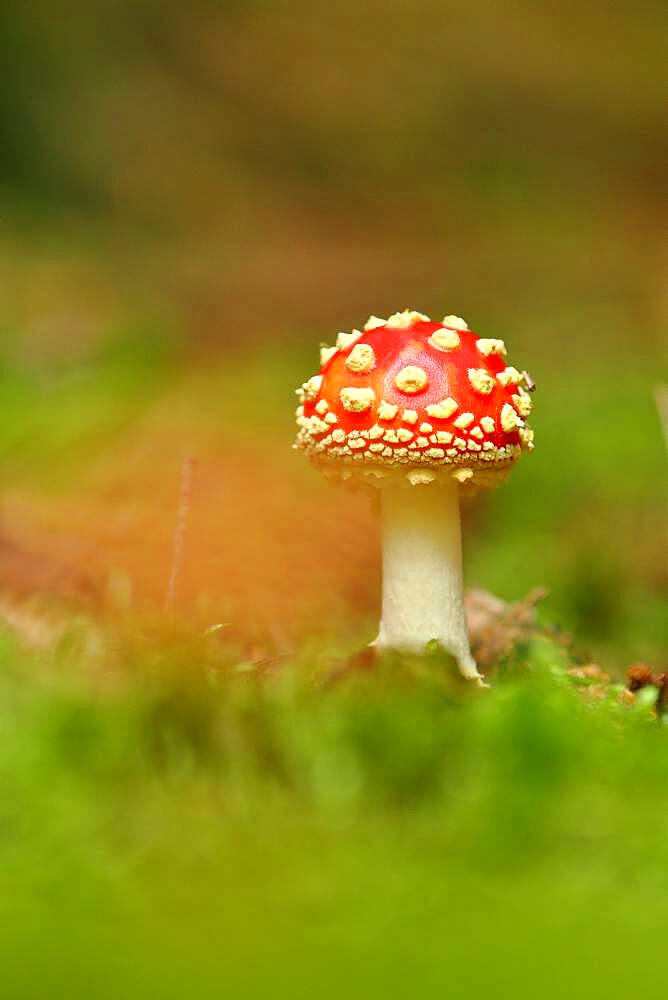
(421, 412)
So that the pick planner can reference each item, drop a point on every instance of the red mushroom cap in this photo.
(423, 400)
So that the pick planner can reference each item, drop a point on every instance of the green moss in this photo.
(183, 836)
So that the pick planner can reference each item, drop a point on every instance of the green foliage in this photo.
(202, 831)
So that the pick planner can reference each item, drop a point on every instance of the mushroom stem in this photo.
(423, 596)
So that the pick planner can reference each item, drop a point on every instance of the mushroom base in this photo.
(423, 596)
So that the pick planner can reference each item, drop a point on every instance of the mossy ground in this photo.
(174, 824)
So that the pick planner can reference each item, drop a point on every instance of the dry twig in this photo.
(182, 514)
(661, 400)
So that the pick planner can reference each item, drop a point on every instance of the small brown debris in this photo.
(639, 676)
(495, 625)
(360, 662)
(365, 659)
(590, 672)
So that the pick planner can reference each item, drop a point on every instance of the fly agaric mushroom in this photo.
(421, 411)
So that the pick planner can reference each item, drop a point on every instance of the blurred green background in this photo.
(193, 197)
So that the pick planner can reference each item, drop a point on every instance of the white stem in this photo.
(423, 596)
